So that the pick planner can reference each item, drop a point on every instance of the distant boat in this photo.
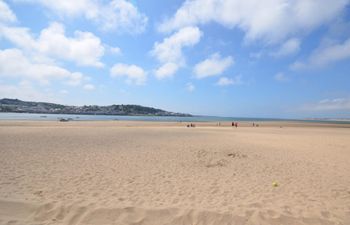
(43, 116)
(64, 120)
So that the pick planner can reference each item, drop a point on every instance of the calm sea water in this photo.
(53, 117)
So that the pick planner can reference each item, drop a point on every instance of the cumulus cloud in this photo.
(6, 14)
(270, 21)
(134, 74)
(25, 91)
(329, 105)
(225, 81)
(325, 55)
(116, 15)
(84, 48)
(290, 47)
(13, 63)
(166, 70)
(19, 36)
(213, 66)
(169, 51)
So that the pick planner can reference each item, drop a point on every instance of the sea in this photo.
(75, 117)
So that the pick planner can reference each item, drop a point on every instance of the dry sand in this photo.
(164, 173)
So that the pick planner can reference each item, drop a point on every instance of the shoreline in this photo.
(143, 118)
(217, 124)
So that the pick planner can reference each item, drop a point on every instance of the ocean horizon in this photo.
(195, 118)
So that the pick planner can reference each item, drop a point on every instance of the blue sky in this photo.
(274, 58)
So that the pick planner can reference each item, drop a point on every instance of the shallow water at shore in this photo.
(76, 117)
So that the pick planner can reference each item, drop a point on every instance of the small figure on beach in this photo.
(233, 124)
(253, 124)
(191, 125)
(236, 124)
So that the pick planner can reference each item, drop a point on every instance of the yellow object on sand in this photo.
(274, 184)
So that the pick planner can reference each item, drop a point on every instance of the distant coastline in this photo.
(18, 106)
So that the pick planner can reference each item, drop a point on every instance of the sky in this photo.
(272, 58)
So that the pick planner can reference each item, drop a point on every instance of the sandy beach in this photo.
(149, 173)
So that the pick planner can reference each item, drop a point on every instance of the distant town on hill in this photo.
(18, 106)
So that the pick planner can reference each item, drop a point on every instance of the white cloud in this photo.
(270, 20)
(325, 55)
(281, 77)
(225, 81)
(166, 70)
(170, 50)
(123, 15)
(89, 87)
(190, 87)
(6, 14)
(116, 15)
(19, 36)
(13, 63)
(75, 79)
(329, 105)
(25, 91)
(290, 47)
(84, 48)
(330, 54)
(134, 74)
(214, 65)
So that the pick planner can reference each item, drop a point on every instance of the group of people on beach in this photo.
(233, 124)
(191, 125)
